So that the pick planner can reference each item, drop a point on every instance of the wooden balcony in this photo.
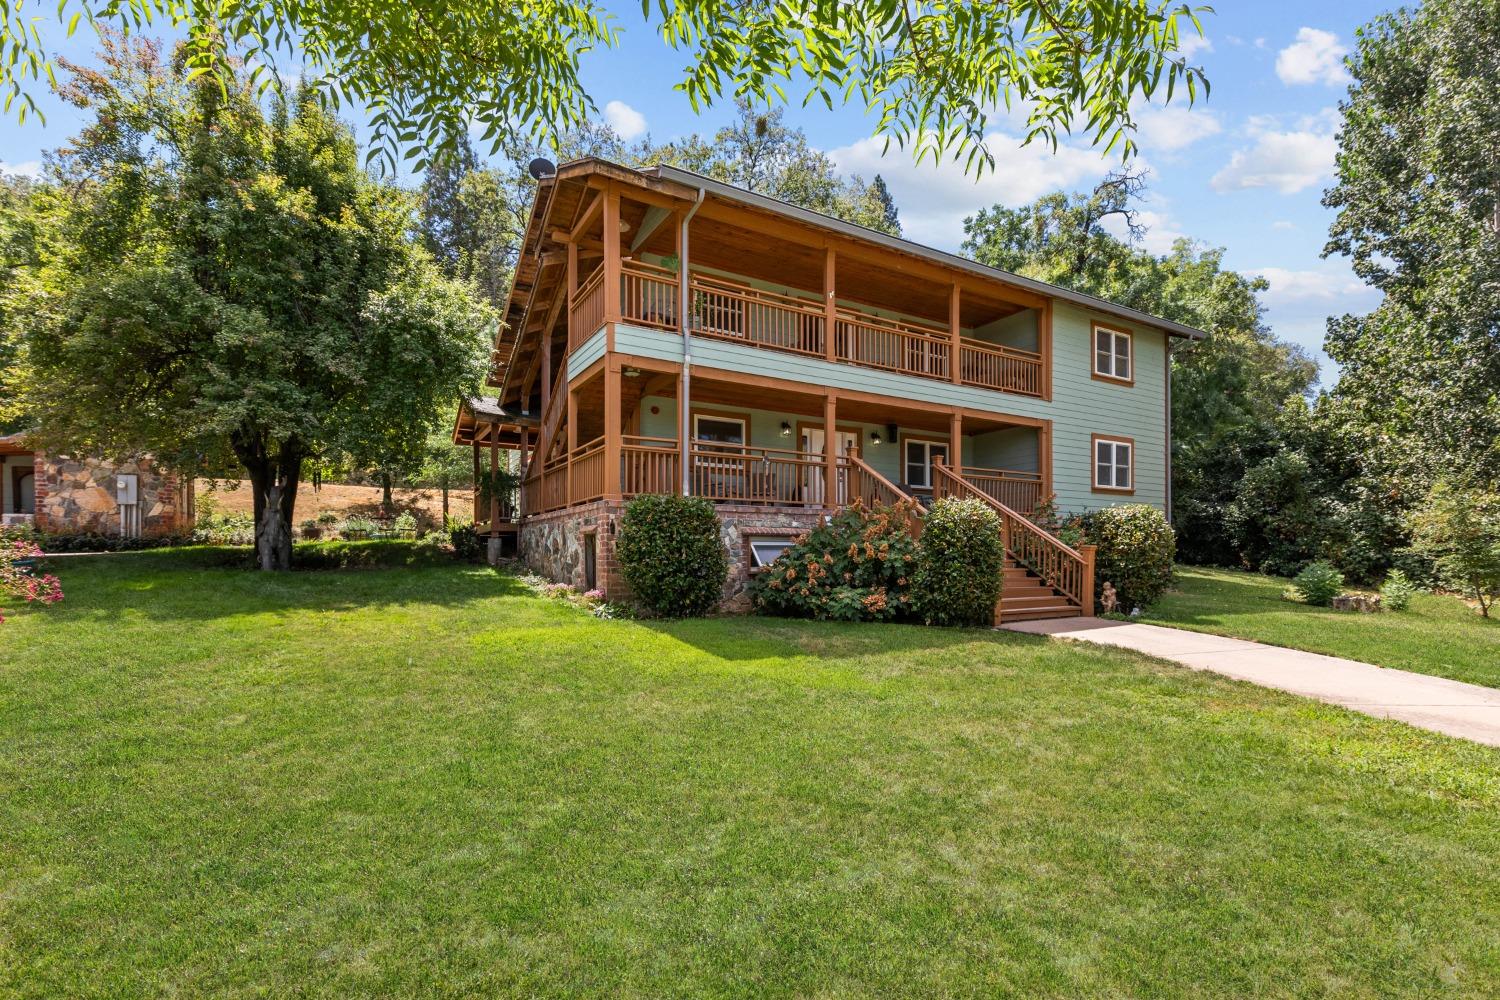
(725, 309)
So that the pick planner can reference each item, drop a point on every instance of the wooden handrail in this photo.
(1063, 568)
(870, 487)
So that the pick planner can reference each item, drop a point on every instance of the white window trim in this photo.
(1114, 343)
(1115, 445)
(744, 428)
(927, 466)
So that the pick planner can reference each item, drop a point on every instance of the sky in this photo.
(1243, 169)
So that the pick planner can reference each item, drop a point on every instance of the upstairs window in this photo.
(1112, 354)
(1114, 464)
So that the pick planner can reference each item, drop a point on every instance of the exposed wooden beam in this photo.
(587, 219)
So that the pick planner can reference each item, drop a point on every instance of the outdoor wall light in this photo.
(874, 437)
(786, 429)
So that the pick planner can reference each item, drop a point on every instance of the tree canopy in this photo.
(216, 285)
(1418, 200)
(934, 72)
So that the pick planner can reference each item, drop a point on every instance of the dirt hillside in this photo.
(345, 501)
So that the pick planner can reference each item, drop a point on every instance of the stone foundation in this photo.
(554, 545)
(77, 495)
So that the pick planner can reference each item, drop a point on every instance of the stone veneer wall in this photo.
(553, 544)
(78, 495)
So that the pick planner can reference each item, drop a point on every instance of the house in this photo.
(65, 494)
(670, 333)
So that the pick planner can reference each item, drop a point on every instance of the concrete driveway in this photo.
(1451, 707)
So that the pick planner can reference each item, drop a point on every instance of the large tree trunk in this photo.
(385, 493)
(445, 503)
(273, 480)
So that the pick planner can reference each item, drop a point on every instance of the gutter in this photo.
(685, 397)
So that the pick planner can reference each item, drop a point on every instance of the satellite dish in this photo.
(540, 168)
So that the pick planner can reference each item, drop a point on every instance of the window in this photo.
(719, 430)
(1112, 354)
(1112, 464)
(764, 551)
(918, 458)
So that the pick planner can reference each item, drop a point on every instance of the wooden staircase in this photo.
(1026, 596)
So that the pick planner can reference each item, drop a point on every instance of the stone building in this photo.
(64, 494)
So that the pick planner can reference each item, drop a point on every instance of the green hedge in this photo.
(1135, 550)
(960, 565)
(855, 567)
(671, 556)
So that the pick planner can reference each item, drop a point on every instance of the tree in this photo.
(759, 152)
(445, 467)
(1418, 201)
(474, 218)
(1459, 529)
(934, 71)
(17, 252)
(219, 285)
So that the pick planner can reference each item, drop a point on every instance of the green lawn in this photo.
(427, 782)
(1437, 635)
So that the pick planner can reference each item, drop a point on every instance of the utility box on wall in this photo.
(125, 489)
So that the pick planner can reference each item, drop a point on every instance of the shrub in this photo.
(405, 523)
(1397, 592)
(358, 527)
(93, 541)
(388, 554)
(960, 564)
(1459, 529)
(311, 529)
(1318, 584)
(466, 543)
(858, 566)
(19, 578)
(1135, 547)
(671, 556)
(214, 526)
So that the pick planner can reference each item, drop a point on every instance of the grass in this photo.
(1437, 635)
(428, 782)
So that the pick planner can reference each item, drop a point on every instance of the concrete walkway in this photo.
(1452, 707)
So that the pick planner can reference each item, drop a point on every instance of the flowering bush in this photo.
(18, 579)
(856, 567)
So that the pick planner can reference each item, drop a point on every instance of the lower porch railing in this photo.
(1020, 491)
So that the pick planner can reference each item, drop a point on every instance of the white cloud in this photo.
(625, 120)
(1283, 224)
(1173, 127)
(934, 199)
(28, 168)
(1321, 285)
(1192, 43)
(1315, 57)
(1287, 161)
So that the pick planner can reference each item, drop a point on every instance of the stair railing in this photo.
(1066, 570)
(865, 484)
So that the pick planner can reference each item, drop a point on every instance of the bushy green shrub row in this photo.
(960, 564)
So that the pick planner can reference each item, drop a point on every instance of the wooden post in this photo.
(476, 472)
(1087, 551)
(523, 465)
(830, 451)
(613, 421)
(572, 442)
(955, 334)
(494, 498)
(830, 305)
(956, 444)
(612, 256)
(546, 368)
(571, 289)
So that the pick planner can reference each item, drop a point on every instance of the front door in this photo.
(847, 443)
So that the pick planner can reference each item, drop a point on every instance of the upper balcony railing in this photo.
(725, 309)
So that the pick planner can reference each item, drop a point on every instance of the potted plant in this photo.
(312, 530)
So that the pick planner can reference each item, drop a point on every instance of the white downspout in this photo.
(684, 398)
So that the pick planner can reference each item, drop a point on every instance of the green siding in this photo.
(588, 352)
(1013, 448)
(1019, 331)
(1081, 405)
